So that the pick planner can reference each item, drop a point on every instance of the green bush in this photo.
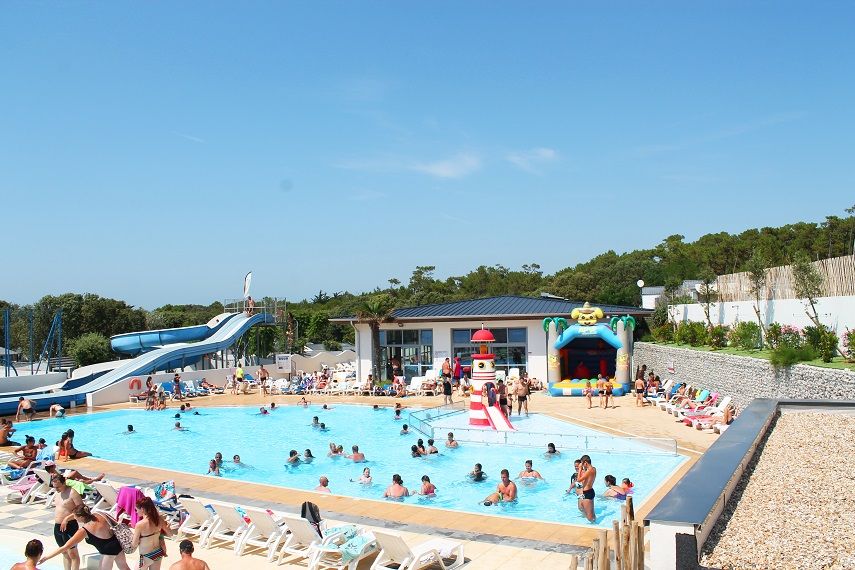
(849, 344)
(827, 345)
(90, 348)
(745, 335)
(813, 336)
(659, 316)
(664, 333)
(717, 336)
(332, 345)
(691, 333)
(785, 356)
(773, 335)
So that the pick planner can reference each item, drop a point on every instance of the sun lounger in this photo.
(301, 538)
(393, 550)
(341, 548)
(109, 496)
(228, 528)
(199, 519)
(702, 411)
(264, 532)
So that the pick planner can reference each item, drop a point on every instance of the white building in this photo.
(420, 338)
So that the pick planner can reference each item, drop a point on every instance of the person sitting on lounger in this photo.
(25, 454)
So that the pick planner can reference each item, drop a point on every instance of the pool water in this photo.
(263, 443)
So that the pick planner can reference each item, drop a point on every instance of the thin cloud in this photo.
(456, 166)
(531, 160)
(189, 137)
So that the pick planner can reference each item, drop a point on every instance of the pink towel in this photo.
(127, 503)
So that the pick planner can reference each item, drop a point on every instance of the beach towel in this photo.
(353, 542)
(127, 503)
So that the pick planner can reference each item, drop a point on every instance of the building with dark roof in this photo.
(418, 339)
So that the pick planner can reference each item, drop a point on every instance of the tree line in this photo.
(608, 278)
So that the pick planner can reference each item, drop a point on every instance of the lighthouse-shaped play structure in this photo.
(490, 416)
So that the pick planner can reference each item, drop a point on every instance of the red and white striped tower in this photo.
(483, 371)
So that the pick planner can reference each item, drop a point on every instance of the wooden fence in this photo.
(838, 280)
(621, 548)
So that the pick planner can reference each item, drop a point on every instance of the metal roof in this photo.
(506, 306)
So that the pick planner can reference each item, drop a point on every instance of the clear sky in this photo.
(156, 151)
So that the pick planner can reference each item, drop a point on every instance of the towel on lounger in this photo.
(126, 502)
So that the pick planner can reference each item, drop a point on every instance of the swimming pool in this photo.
(263, 443)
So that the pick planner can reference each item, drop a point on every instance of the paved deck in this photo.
(491, 542)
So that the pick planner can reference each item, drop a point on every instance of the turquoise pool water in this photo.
(263, 443)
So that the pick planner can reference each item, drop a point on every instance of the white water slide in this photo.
(146, 363)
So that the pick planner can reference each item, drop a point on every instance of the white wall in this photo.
(14, 385)
(536, 339)
(836, 312)
(315, 362)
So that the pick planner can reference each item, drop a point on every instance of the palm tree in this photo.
(375, 310)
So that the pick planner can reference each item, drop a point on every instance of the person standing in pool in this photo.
(323, 485)
(506, 491)
(528, 472)
(586, 479)
(451, 442)
(357, 456)
(64, 524)
(477, 474)
(26, 407)
(33, 553)
(396, 490)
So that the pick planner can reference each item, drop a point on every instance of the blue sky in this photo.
(155, 152)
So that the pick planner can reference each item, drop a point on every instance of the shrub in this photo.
(332, 345)
(663, 333)
(659, 316)
(691, 333)
(813, 336)
(849, 344)
(90, 348)
(773, 335)
(785, 356)
(718, 336)
(745, 335)
(827, 345)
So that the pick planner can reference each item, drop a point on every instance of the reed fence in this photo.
(621, 548)
(838, 280)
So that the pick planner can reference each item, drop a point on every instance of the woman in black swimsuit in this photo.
(95, 529)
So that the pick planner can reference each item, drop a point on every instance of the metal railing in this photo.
(273, 305)
(429, 421)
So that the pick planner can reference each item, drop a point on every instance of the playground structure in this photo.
(491, 416)
(579, 352)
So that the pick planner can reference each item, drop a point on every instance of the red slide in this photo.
(498, 420)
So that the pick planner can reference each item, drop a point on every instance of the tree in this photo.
(807, 283)
(90, 348)
(375, 310)
(757, 272)
(707, 293)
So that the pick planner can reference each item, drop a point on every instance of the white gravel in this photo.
(794, 508)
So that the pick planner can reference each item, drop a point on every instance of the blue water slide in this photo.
(132, 344)
(152, 361)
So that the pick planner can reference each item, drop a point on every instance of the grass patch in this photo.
(838, 362)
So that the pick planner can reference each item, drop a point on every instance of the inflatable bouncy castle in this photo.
(581, 351)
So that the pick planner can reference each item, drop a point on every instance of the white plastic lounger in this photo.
(337, 552)
(264, 533)
(301, 539)
(199, 519)
(109, 496)
(228, 528)
(395, 551)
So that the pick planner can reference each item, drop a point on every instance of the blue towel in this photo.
(353, 543)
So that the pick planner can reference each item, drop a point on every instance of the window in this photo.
(510, 348)
(405, 352)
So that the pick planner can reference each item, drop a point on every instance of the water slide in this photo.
(156, 359)
(133, 344)
(498, 420)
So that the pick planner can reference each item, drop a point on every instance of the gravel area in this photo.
(794, 508)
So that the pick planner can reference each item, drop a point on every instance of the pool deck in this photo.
(491, 542)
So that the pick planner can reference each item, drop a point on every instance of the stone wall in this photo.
(744, 378)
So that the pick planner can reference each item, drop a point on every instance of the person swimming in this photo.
(428, 489)
(365, 479)
(477, 474)
(451, 442)
(262, 411)
(506, 491)
(213, 468)
(130, 430)
(414, 451)
(431, 449)
(178, 427)
(316, 423)
(405, 430)
(613, 490)
(551, 451)
(322, 427)
(307, 456)
(293, 457)
(218, 457)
